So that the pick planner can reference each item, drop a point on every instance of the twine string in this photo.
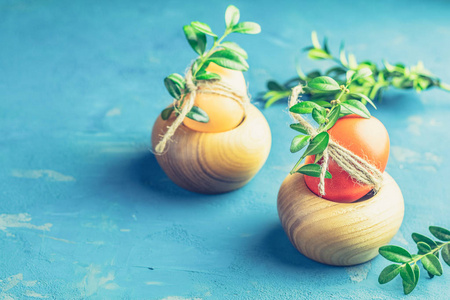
(358, 168)
(216, 87)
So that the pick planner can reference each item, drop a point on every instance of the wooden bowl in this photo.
(214, 163)
(339, 234)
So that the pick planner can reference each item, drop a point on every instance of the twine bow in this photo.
(358, 168)
(216, 87)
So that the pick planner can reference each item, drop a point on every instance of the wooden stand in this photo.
(340, 234)
(215, 162)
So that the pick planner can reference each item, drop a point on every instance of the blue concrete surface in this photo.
(86, 212)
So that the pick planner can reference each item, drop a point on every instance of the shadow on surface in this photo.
(145, 170)
(276, 247)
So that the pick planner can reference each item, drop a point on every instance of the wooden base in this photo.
(340, 234)
(215, 162)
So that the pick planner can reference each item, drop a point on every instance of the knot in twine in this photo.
(216, 87)
(358, 168)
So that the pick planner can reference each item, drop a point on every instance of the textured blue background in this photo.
(85, 211)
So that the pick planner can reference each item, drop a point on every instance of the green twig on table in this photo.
(406, 264)
(398, 76)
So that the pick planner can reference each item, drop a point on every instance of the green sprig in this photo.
(325, 113)
(223, 53)
(406, 264)
(397, 76)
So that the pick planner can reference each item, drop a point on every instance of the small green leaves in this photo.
(305, 107)
(313, 170)
(361, 73)
(432, 264)
(299, 142)
(324, 83)
(357, 107)
(202, 27)
(428, 255)
(231, 16)
(395, 254)
(389, 273)
(423, 247)
(319, 116)
(417, 237)
(198, 114)
(409, 278)
(206, 75)
(228, 59)
(446, 253)
(175, 85)
(235, 48)
(364, 78)
(247, 28)
(299, 127)
(317, 144)
(440, 233)
(165, 114)
(333, 116)
(196, 39)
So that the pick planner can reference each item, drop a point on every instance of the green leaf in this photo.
(325, 45)
(395, 253)
(353, 64)
(274, 86)
(165, 114)
(357, 107)
(317, 144)
(389, 273)
(313, 170)
(349, 75)
(206, 75)
(247, 28)
(228, 59)
(342, 57)
(202, 27)
(231, 16)
(365, 98)
(324, 83)
(446, 253)
(235, 48)
(408, 287)
(198, 114)
(361, 73)
(305, 107)
(322, 103)
(440, 233)
(417, 237)
(407, 274)
(333, 116)
(318, 54)
(196, 39)
(315, 40)
(174, 84)
(318, 116)
(423, 247)
(274, 96)
(299, 142)
(432, 264)
(299, 127)
(317, 157)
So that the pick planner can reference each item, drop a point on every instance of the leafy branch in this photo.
(406, 264)
(325, 114)
(397, 76)
(223, 53)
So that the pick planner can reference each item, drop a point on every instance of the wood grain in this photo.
(340, 234)
(215, 162)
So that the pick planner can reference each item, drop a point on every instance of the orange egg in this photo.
(367, 138)
(224, 113)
